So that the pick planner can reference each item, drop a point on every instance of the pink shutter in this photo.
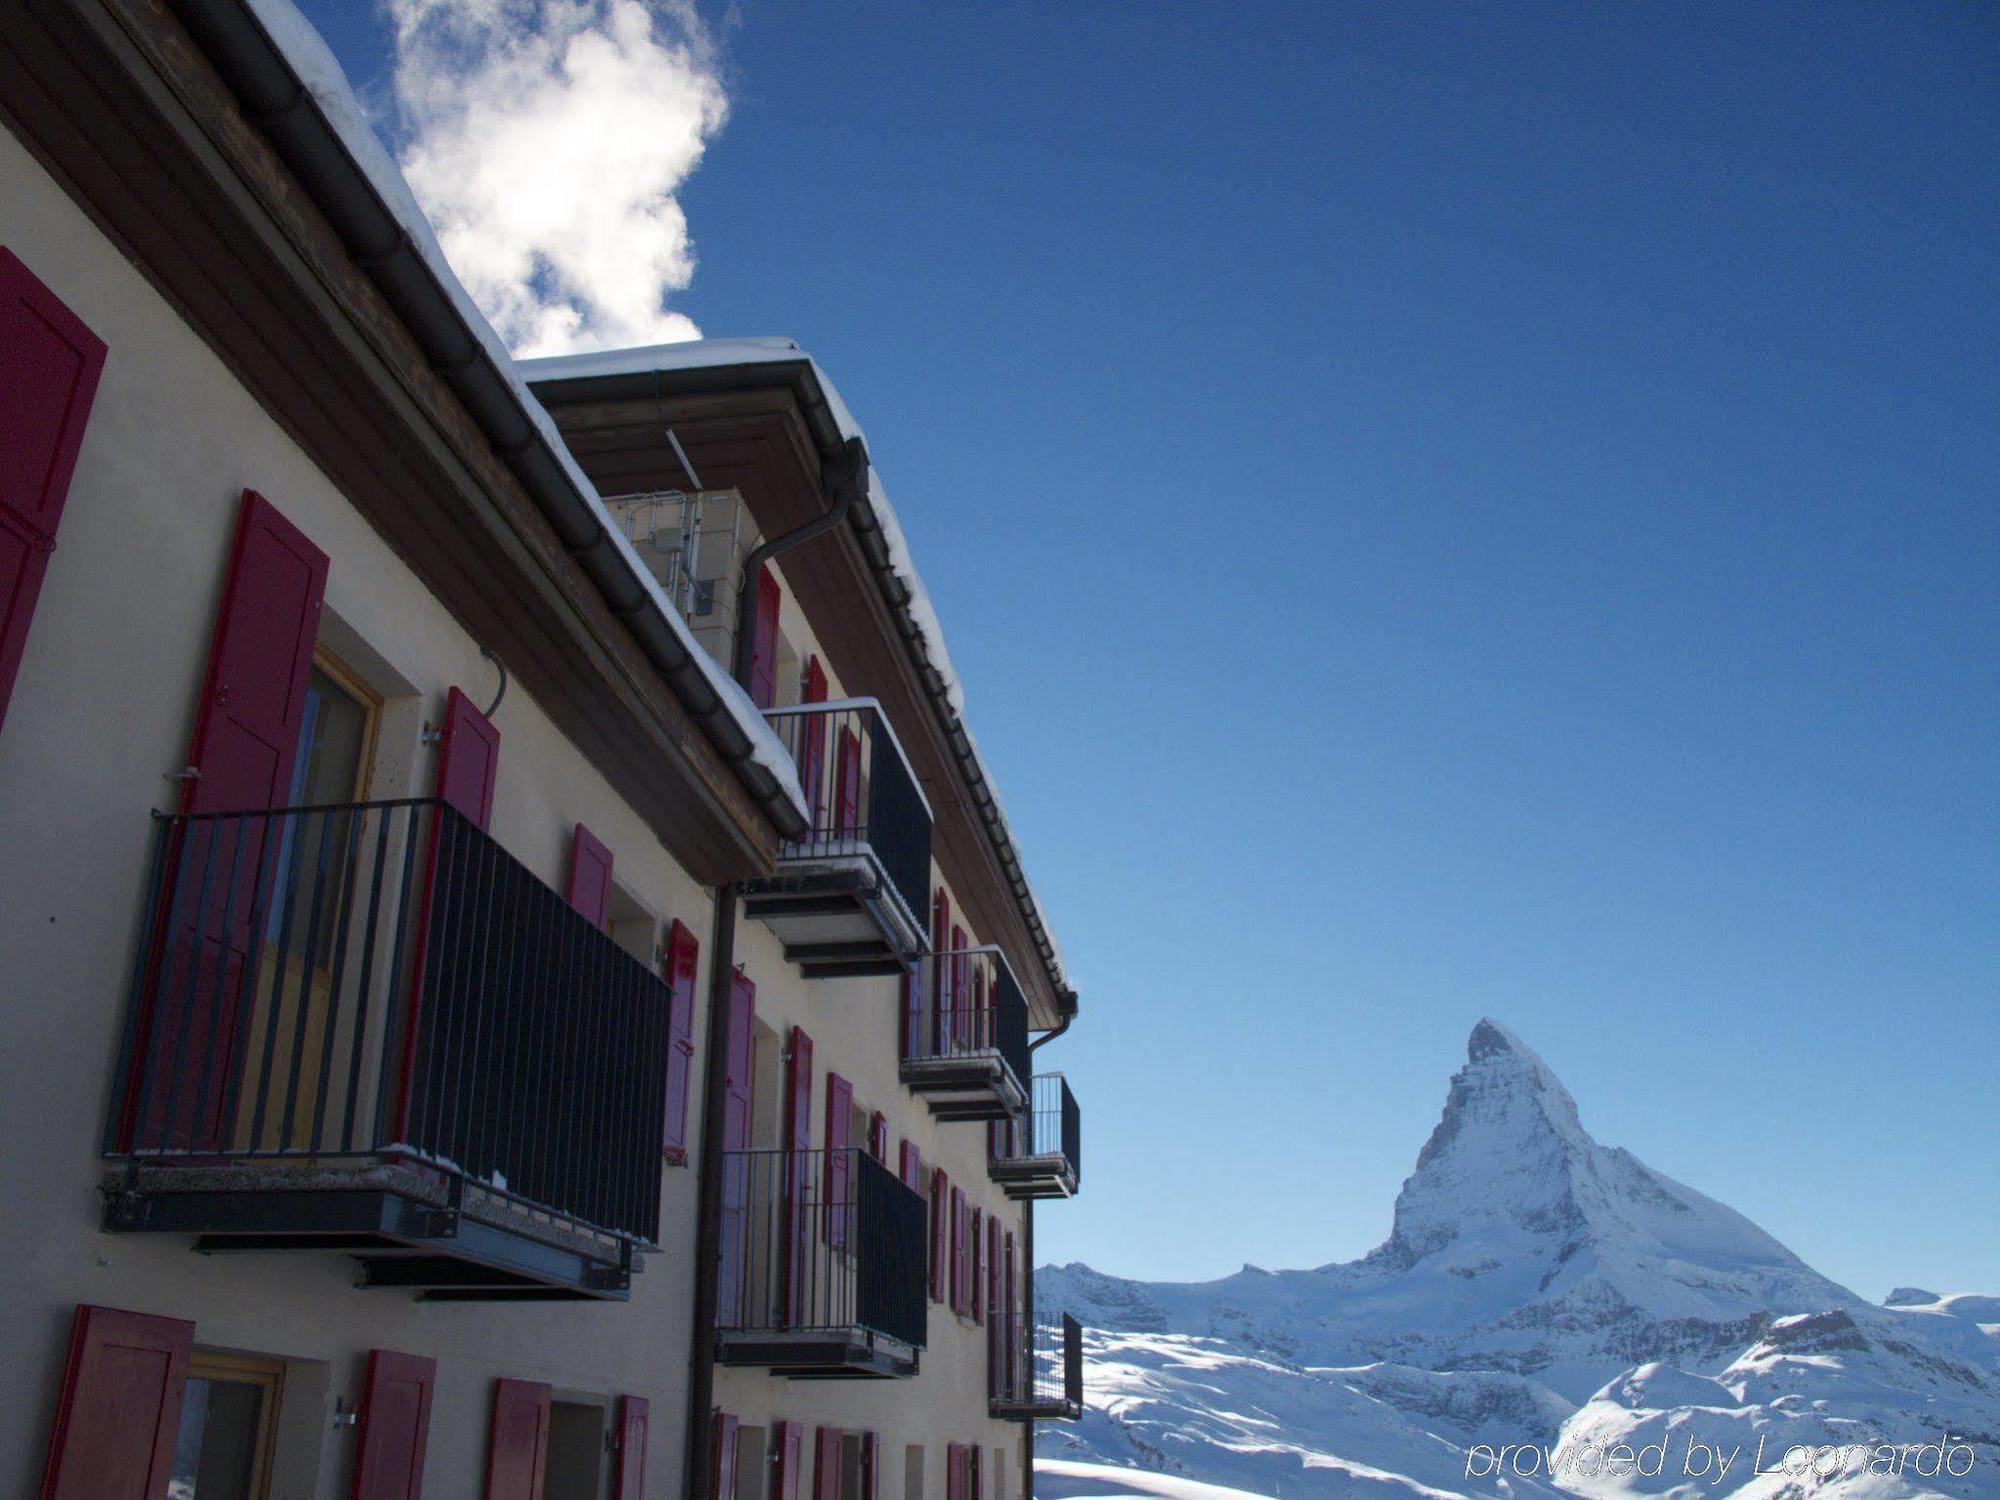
(764, 641)
(958, 1226)
(683, 958)
(468, 760)
(788, 1459)
(812, 739)
(517, 1445)
(839, 1165)
(940, 1232)
(628, 1479)
(120, 1406)
(996, 1324)
(722, 1458)
(739, 1073)
(975, 1280)
(957, 1026)
(395, 1426)
(798, 1178)
(1013, 1317)
(590, 876)
(871, 1465)
(940, 995)
(911, 1168)
(51, 363)
(246, 738)
(954, 1472)
(847, 786)
(826, 1464)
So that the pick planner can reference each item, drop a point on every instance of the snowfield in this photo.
(1548, 1316)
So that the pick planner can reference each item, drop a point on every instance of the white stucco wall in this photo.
(101, 714)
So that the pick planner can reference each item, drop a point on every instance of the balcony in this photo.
(368, 1028)
(822, 1267)
(1043, 1380)
(965, 1035)
(1040, 1154)
(848, 893)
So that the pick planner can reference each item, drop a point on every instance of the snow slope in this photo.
(1535, 1287)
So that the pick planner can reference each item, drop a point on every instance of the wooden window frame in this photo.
(269, 1376)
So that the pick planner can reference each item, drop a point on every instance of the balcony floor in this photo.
(975, 1086)
(411, 1228)
(818, 1353)
(1034, 1177)
(1053, 1409)
(836, 917)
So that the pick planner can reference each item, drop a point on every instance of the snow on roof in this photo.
(727, 353)
(321, 74)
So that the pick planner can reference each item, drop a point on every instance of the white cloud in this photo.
(546, 140)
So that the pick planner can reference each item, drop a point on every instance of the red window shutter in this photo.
(954, 1472)
(468, 760)
(996, 1327)
(245, 744)
(940, 1232)
(628, 1479)
(975, 1300)
(847, 785)
(972, 1471)
(916, 1035)
(958, 1022)
(871, 1465)
(799, 1178)
(739, 1072)
(839, 1165)
(120, 1407)
(878, 1137)
(590, 876)
(722, 1458)
(911, 1163)
(683, 957)
(52, 363)
(788, 1455)
(958, 1228)
(395, 1425)
(517, 1446)
(826, 1464)
(1012, 1293)
(764, 641)
(246, 730)
(812, 739)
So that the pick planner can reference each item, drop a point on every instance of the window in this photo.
(228, 1423)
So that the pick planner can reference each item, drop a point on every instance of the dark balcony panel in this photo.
(965, 1035)
(822, 1266)
(369, 1024)
(849, 893)
(1043, 1150)
(1045, 1381)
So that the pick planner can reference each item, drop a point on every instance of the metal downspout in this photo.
(708, 1210)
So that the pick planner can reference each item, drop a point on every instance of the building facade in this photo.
(518, 979)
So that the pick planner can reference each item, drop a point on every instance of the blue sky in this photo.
(1442, 511)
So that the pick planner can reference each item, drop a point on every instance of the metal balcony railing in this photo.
(382, 980)
(1044, 1379)
(965, 1034)
(1040, 1155)
(861, 793)
(817, 1246)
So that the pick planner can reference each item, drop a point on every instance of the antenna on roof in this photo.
(681, 454)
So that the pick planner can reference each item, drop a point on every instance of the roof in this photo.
(289, 79)
(776, 356)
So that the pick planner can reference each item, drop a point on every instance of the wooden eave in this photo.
(118, 102)
(755, 438)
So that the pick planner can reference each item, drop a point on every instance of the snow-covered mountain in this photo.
(1535, 1286)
